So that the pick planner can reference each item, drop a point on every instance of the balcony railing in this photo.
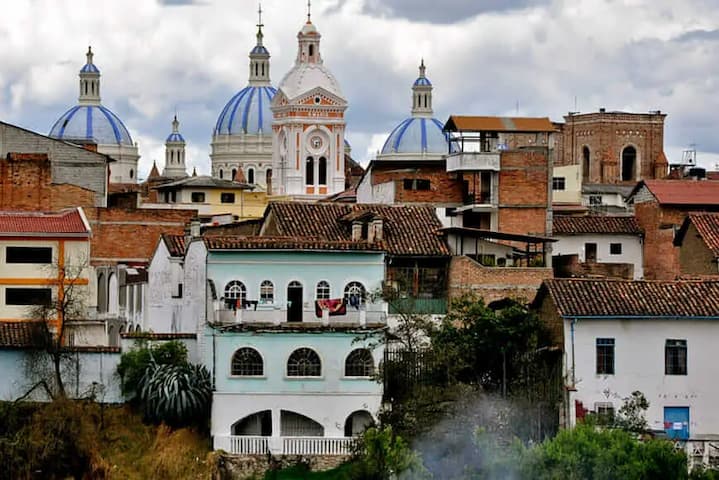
(422, 306)
(370, 313)
(470, 161)
(256, 445)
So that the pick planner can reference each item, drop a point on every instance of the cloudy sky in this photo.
(484, 57)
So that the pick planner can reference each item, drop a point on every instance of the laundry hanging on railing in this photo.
(335, 306)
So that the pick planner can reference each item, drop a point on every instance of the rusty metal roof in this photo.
(460, 123)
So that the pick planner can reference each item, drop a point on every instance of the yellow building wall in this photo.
(248, 204)
(572, 192)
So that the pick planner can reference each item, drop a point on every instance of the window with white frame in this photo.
(359, 363)
(267, 292)
(558, 183)
(304, 362)
(355, 294)
(235, 294)
(323, 290)
(247, 362)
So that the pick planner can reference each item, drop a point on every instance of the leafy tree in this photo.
(631, 416)
(177, 395)
(134, 363)
(384, 455)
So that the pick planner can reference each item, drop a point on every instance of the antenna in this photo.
(259, 15)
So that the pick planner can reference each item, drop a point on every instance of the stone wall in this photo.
(695, 258)
(236, 467)
(494, 283)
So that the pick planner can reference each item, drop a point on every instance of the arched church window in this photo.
(629, 161)
(312, 50)
(263, 69)
(92, 88)
(221, 173)
(256, 69)
(132, 173)
(585, 164)
(310, 171)
(251, 175)
(322, 173)
(234, 174)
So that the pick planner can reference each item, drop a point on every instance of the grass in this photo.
(300, 472)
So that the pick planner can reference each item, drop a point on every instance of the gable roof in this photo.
(70, 223)
(569, 225)
(408, 230)
(175, 244)
(681, 192)
(626, 298)
(707, 225)
(286, 243)
(461, 123)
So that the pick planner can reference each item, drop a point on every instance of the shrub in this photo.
(178, 395)
(134, 363)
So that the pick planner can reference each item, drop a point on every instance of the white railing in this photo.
(248, 445)
(317, 445)
(469, 161)
(369, 313)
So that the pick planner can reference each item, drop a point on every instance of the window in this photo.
(605, 356)
(586, 155)
(251, 176)
(605, 412)
(558, 183)
(629, 159)
(615, 248)
(247, 362)
(416, 184)
(323, 290)
(132, 173)
(226, 197)
(359, 363)
(267, 292)
(28, 255)
(198, 197)
(234, 174)
(595, 200)
(221, 173)
(28, 296)
(235, 294)
(304, 362)
(322, 174)
(675, 357)
(590, 252)
(310, 171)
(355, 294)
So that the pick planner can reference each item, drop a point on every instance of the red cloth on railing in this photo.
(335, 306)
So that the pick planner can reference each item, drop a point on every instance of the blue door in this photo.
(676, 422)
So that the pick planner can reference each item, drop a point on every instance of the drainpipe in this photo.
(571, 328)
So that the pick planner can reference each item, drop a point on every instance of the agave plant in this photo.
(176, 394)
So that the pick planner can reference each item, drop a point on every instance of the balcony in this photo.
(369, 313)
(473, 161)
(256, 445)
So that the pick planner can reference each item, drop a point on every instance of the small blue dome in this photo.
(91, 122)
(247, 112)
(175, 137)
(259, 50)
(417, 135)
(422, 82)
(89, 68)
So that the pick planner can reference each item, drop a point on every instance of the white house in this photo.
(600, 243)
(620, 336)
(163, 302)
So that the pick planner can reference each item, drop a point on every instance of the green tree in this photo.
(632, 414)
(134, 363)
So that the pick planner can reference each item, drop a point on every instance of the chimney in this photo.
(602, 110)
(356, 231)
(376, 228)
(195, 228)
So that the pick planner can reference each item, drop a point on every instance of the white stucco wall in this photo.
(632, 251)
(162, 311)
(639, 365)
(381, 193)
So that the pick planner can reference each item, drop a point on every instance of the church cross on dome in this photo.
(89, 81)
(309, 11)
(259, 24)
(259, 57)
(422, 94)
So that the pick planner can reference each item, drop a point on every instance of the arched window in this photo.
(323, 290)
(267, 292)
(629, 163)
(322, 174)
(310, 171)
(312, 50)
(268, 176)
(357, 423)
(304, 362)
(235, 293)
(355, 294)
(113, 292)
(247, 362)
(234, 174)
(251, 176)
(132, 173)
(101, 293)
(221, 173)
(585, 164)
(359, 363)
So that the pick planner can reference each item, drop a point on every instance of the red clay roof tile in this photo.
(684, 192)
(67, 222)
(567, 225)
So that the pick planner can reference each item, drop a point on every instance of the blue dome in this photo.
(422, 82)
(247, 112)
(259, 50)
(91, 122)
(417, 135)
(175, 137)
(89, 68)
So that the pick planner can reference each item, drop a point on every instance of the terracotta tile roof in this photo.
(625, 298)
(286, 243)
(567, 225)
(714, 175)
(499, 124)
(408, 230)
(67, 222)
(17, 334)
(39, 157)
(707, 225)
(175, 244)
(683, 192)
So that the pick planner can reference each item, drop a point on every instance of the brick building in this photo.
(698, 242)
(613, 147)
(660, 207)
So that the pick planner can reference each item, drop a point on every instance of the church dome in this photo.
(247, 112)
(417, 135)
(93, 123)
(305, 77)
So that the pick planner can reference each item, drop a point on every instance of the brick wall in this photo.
(69, 164)
(131, 235)
(524, 192)
(494, 283)
(661, 257)
(695, 258)
(606, 135)
(444, 187)
(26, 184)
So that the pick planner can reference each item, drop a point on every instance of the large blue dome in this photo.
(417, 135)
(247, 112)
(91, 122)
